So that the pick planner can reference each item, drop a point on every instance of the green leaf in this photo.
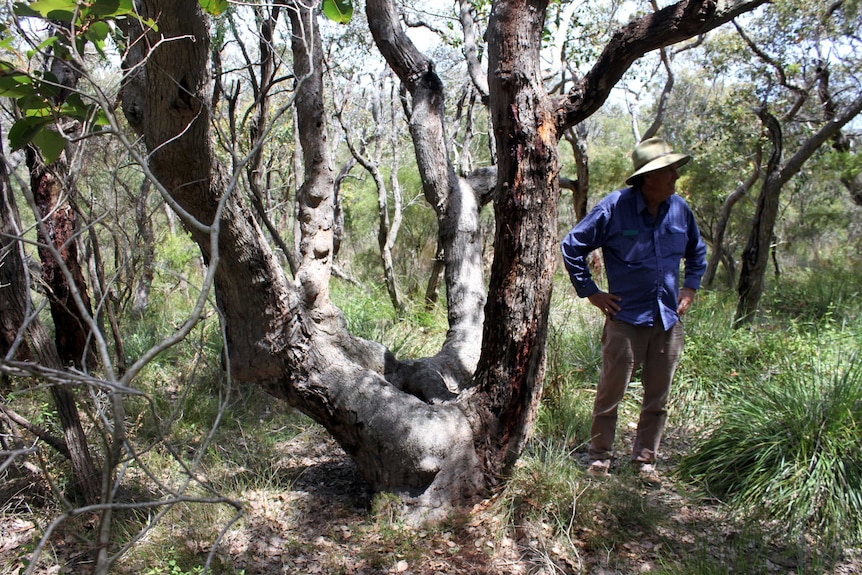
(97, 32)
(22, 10)
(214, 7)
(63, 10)
(50, 143)
(24, 130)
(35, 106)
(340, 11)
(74, 107)
(111, 8)
(16, 85)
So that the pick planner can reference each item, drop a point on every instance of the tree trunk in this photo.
(580, 188)
(755, 257)
(31, 341)
(288, 337)
(67, 290)
(439, 429)
(511, 368)
(60, 225)
(146, 259)
(718, 253)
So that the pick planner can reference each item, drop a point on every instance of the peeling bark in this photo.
(23, 336)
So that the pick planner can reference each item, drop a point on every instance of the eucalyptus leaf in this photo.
(98, 32)
(112, 8)
(63, 10)
(15, 85)
(340, 11)
(50, 143)
(24, 130)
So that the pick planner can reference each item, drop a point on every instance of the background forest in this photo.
(195, 470)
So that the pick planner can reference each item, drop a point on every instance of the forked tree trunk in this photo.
(755, 258)
(440, 429)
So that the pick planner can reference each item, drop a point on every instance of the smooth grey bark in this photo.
(287, 336)
(454, 201)
(717, 253)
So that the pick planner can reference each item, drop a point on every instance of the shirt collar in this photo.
(640, 203)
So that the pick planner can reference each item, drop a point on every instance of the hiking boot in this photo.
(599, 468)
(648, 474)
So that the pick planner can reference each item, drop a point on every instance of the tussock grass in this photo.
(789, 450)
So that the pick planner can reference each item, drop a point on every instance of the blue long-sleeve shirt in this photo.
(642, 254)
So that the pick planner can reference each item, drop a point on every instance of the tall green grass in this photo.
(788, 449)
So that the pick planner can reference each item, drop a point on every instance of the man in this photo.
(644, 232)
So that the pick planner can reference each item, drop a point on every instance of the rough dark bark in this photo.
(25, 337)
(511, 367)
(60, 225)
(67, 291)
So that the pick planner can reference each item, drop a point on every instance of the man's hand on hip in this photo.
(607, 302)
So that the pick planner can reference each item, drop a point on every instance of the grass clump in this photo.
(790, 450)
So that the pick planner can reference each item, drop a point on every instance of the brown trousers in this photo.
(625, 348)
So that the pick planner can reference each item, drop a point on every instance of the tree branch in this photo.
(667, 26)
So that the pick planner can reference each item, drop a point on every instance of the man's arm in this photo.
(577, 245)
(695, 256)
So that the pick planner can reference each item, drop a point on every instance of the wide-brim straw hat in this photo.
(654, 154)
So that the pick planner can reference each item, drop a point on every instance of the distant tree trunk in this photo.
(718, 252)
(147, 255)
(263, 81)
(755, 257)
(369, 153)
(33, 342)
(580, 188)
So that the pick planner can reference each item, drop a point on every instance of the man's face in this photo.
(659, 185)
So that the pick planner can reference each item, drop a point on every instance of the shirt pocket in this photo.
(673, 241)
(632, 246)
